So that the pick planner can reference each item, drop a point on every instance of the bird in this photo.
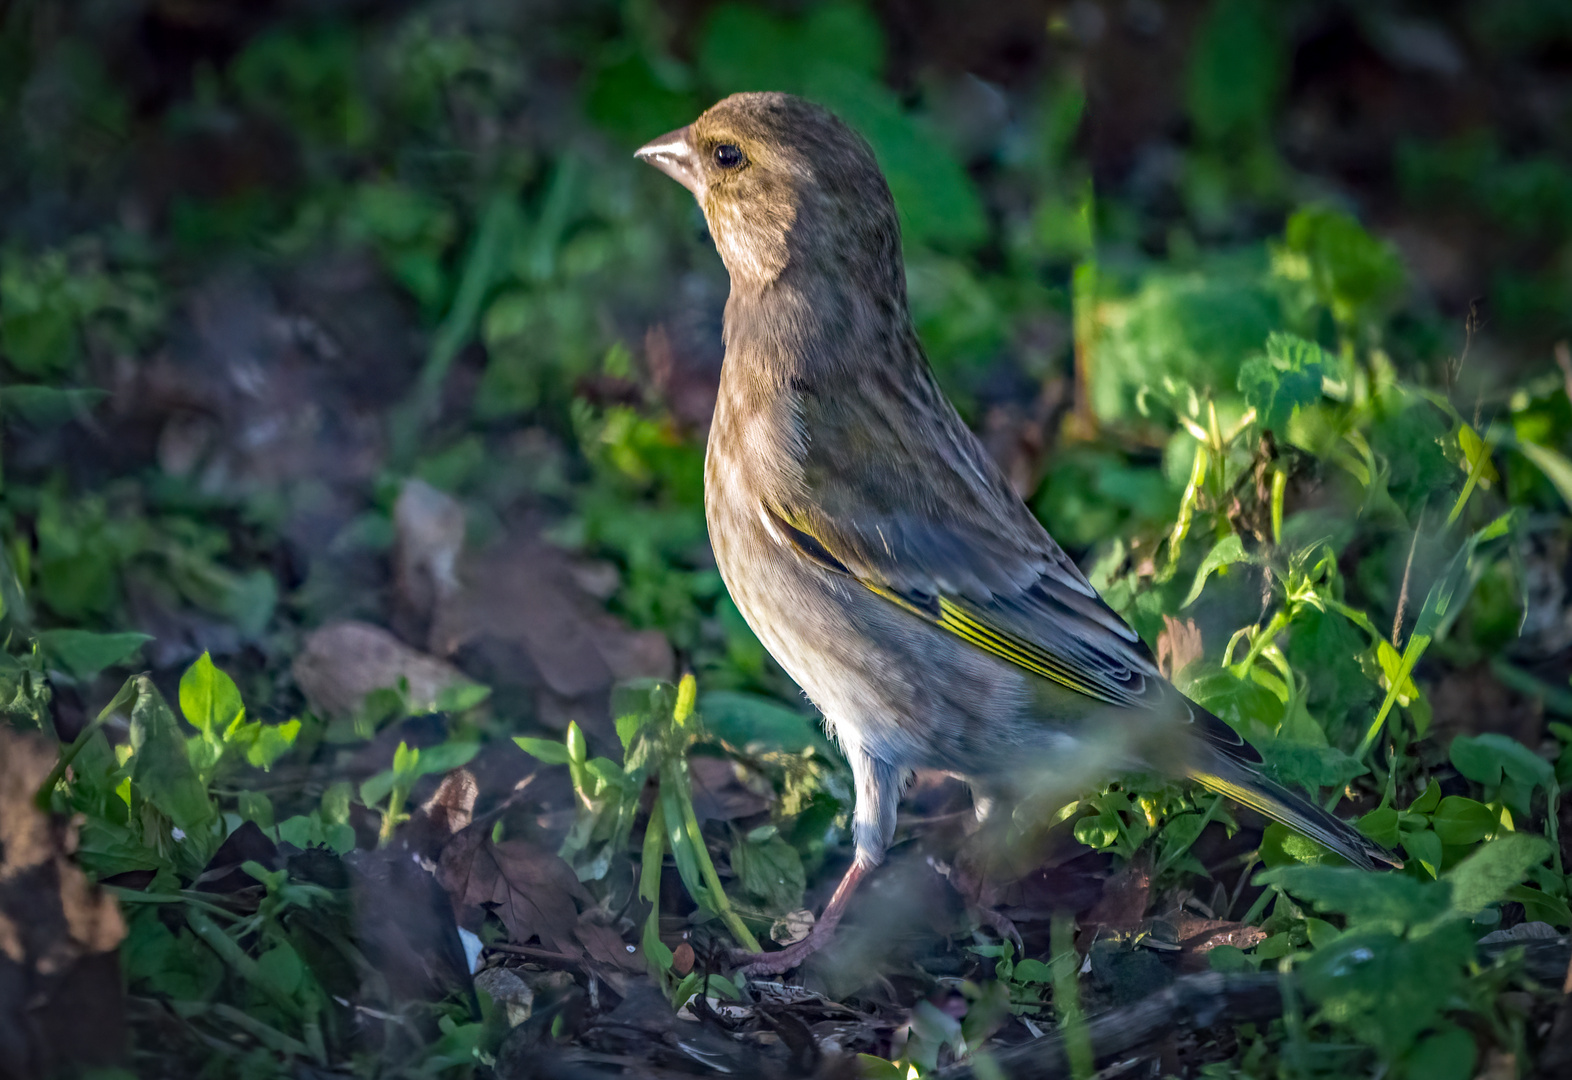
(871, 542)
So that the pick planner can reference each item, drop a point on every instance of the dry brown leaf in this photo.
(1178, 646)
(720, 792)
(61, 1001)
(532, 890)
(344, 661)
(524, 595)
(605, 945)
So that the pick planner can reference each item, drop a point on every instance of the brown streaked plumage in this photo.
(868, 538)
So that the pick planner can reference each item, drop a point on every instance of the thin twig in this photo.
(535, 952)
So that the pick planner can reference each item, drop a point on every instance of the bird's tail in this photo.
(1240, 782)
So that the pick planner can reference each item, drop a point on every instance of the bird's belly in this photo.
(887, 683)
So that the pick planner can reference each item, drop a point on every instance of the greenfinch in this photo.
(871, 542)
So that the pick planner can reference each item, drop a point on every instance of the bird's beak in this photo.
(673, 155)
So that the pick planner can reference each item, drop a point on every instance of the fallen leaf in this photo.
(605, 945)
(520, 608)
(532, 890)
(682, 958)
(61, 1002)
(721, 792)
(342, 662)
(1178, 646)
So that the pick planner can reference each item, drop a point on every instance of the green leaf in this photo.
(1424, 845)
(1386, 988)
(209, 699)
(1485, 876)
(1311, 767)
(1349, 269)
(1460, 821)
(1226, 552)
(1380, 825)
(1032, 971)
(161, 770)
(82, 654)
(628, 727)
(1390, 900)
(1540, 906)
(752, 720)
(771, 871)
(281, 968)
(273, 741)
(1486, 758)
(547, 750)
(1286, 378)
(445, 757)
(376, 788)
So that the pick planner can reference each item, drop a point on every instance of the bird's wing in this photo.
(1005, 590)
(1010, 591)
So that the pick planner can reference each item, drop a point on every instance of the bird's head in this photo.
(785, 186)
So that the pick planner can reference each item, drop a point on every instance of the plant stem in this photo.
(728, 914)
(1067, 998)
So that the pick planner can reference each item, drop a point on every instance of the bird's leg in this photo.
(878, 787)
(783, 960)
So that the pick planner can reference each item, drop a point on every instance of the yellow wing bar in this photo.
(1006, 646)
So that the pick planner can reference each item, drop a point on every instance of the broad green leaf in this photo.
(1390, 900)
(1311, 767)
(281, 968)
(1384, 987)
(1539, 906)
(376, 788)
(82, 654)
(1460, 821)
(628, 726)
(445, 757)
(1350, 270)
(746, 720)
(1486, 758)
(771, 871)
(1485, 876)
(273, 741)
(1380, 825)
(209, 699)
(1287, 377)
(161, 770)
(1032, 971)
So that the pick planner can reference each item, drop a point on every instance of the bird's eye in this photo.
(728, 156)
